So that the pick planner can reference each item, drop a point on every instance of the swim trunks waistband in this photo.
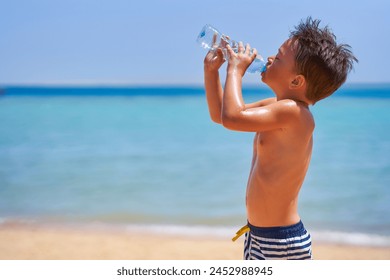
(278, 232)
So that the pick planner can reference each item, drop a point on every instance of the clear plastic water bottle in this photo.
(210, 38)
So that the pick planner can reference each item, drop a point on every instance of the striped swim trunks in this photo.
(276, 243)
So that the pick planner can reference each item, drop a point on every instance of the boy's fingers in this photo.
(219, 52)
(230, 50)
(254, 54)
(223, 41)
(240, 47)
(247, 49)
(214, 39)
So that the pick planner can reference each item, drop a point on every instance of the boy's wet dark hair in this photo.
(324, 64)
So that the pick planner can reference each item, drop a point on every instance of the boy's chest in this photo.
(273, 142)
(266, 138)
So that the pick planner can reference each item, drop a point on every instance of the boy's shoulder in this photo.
(290, 105)
(296, 110)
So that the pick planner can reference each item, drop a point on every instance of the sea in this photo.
(150, 159)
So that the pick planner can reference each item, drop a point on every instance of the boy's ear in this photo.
(298, 82)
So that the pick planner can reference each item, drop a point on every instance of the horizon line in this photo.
(145, 85)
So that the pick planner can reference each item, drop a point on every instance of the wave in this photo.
(334, 237)
(202, 231)
(350, 238)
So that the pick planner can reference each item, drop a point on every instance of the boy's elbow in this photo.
(216, 118)
(230, 120)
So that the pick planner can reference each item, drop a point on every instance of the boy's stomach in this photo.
(270, 205)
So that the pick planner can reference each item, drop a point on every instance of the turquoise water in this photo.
(151, 156)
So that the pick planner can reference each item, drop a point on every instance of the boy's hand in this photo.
(214, 58)
(240, 61)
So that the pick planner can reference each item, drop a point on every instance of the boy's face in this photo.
(281, 68)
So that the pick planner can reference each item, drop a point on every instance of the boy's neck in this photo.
(293, 95)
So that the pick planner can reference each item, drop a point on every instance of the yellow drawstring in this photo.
(242, 230)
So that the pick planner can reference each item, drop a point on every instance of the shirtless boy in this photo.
(308, 67)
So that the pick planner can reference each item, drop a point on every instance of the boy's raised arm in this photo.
(213, 87)
(214, 94)
(236, 115)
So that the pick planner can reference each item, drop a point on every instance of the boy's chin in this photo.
(263, 78)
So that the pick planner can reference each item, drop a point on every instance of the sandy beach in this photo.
(32, 242)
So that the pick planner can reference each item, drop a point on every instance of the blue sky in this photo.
(153, 42)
